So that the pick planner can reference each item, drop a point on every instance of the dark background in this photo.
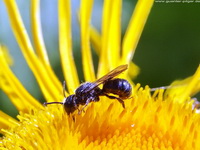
(169, 47)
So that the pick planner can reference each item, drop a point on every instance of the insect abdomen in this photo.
(119, 87)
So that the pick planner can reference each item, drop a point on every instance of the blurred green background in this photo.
(169, 47)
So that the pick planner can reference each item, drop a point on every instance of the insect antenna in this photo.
(162, 87)
(167, 87)
(47, 103)
(64, 89)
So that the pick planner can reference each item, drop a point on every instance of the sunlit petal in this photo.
(6, 121)
(135, 28)
(37, 32)
(39, 42)
(114, 34)
(95, 39)
(183, 89)
(103, 66)
(14, 89)
(96, 43)
(65, 45)
(85, 14)
(50, 91)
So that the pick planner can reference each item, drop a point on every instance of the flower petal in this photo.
(135, 29)
(85, 14)
(183, 89)
(51, 91)
(114, 35)
(14, 89)
(39, 42)
(37, 32)
(6, 121)
(104, 58)
(133, 70)
(95, 39)
(6, 55)
(65, 45)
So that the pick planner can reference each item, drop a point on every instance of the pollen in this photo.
(145, 123)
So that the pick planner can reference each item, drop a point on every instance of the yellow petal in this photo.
(6, 55)
(104, 64)
(14, 89)
(6, 121)
(95, 39)
(65, 45)
(133, 70)
(135, 29)
(114, 34)
(85, 14)
(49, 88)
(183, 89)
(37, 32)
(39, 42)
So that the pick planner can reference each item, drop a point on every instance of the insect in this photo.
(90, 91)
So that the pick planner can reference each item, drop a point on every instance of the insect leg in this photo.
(113, 97)
(64, 88)
(82, 109)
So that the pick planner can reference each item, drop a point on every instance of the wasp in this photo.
(113, 88)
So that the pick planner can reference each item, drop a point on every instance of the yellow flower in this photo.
(159, 120)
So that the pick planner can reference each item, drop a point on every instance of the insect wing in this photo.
(113, 73)
(108, 76)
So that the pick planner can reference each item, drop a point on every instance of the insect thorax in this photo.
(87, 91)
